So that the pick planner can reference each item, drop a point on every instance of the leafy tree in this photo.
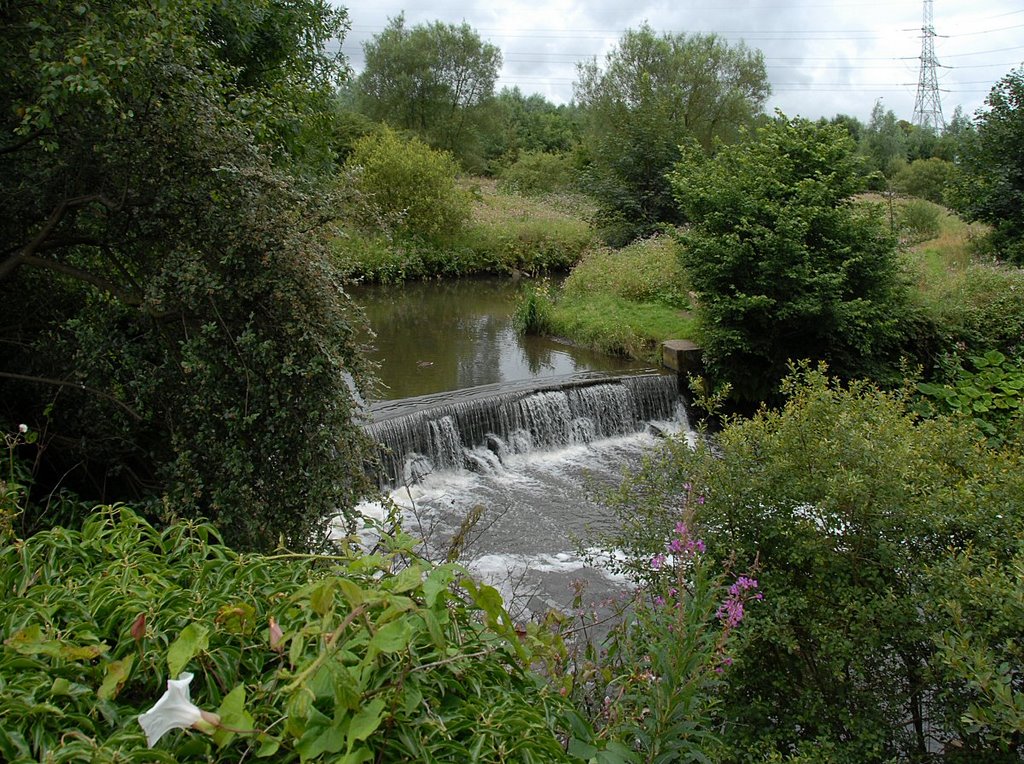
(536, 172)
(431, 79)
(407, 187)
(884, 144)
(169, 320)
(991, 183)
(533, 124)
(924, 178)
(784, 264)
(653, 93)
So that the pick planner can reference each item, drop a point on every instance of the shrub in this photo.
(991, 394)
(407, 187)
(924, 178)
(920, 219)
(537, 172)
(867, 527)
(649, 270)
(350, 658)
(784, 264)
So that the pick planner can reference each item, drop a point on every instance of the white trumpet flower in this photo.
(175, 710)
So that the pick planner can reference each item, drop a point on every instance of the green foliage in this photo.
(981, 649)
(991, 394)
(505, 234)
(869, 530)
(982, 309)
(518, 123)
(654, 93)
(354, 658)
(171, 323)
(536, 172)
(668, 658)
(920, 219)
(784, 265)
(990, 185)
(407, 188)
(924, 178)
(533, 310)
(648, 270)
(433, 80)
(884, 145)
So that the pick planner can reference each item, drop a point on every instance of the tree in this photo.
(169, 319)
(530, 124)
(884, 144)
(990, 186)
(431, 79)
(407, 187)
(785, 265)
(653, 93)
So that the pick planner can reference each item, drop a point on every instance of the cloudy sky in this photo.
(824, 57)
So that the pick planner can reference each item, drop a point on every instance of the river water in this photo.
(440, 336)
(526, 435)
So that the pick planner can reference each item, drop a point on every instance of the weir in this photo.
(479, 433)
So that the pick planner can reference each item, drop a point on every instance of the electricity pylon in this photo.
(928, 104)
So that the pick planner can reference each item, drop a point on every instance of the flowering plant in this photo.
(673, 647)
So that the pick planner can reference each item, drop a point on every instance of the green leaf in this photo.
(116, 675)
(407, 580)
(436, 583)
(352, 592)
(322, 597)
(366, 721)
(193, 639)
(269, 746)
(232, 714)
(391, 638)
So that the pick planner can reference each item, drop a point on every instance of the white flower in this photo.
(22, 428)
(174, 710)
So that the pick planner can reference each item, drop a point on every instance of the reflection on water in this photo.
(451, 335)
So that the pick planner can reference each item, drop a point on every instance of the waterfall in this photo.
(477, 434)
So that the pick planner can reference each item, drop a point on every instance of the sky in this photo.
(823, 57)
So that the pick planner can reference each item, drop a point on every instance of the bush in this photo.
(784, 264)
(407, 187)
(537, 172)
(924, 178)
(350, 658)
(920, 219)
(649, 270)
(868, 528)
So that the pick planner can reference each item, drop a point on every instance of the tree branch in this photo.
(82, 275)
(77, 385)
(8, 266)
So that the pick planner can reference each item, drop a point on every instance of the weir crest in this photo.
(478, 434)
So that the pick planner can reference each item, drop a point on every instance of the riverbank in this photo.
(505, 234)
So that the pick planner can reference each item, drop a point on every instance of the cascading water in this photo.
(467, 435)
(530, 464)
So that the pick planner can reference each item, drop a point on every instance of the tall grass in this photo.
(624, 301)
(506, 233)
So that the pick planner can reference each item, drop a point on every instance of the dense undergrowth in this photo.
(504, 234)
(619, 301)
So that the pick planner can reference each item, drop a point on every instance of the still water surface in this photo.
(451, 335)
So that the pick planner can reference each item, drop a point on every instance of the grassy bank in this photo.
(505, 233)
(624, 302)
